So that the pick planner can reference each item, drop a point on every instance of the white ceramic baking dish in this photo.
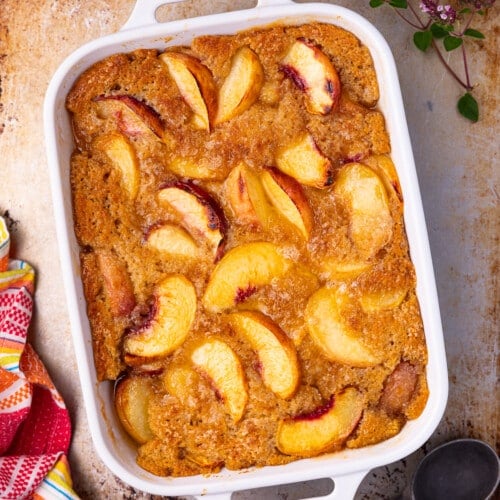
(348, 467)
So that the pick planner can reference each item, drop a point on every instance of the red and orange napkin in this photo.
(35, 428)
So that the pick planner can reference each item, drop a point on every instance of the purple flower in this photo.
(428, 7)
(447, 13)
(443, 14)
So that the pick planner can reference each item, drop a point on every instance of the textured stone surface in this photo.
(458, 172)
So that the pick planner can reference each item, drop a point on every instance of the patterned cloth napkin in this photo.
(35, 428)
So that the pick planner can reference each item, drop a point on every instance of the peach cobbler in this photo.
(243, 252)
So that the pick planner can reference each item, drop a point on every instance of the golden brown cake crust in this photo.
(116, 212)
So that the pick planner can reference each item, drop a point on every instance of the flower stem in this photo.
(417, 17)
(406, 20)
(466, 68)
(467, 24)
(465, 85)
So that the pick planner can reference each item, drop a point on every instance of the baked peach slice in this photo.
(323, 317)
(132, 395)
(196, 85)
(143, 365)
(304, 161)
(217, 360)
(399, 388)
(133, 117)
(247, 198)
(322, 429)
(194, 169)
(241, 272)
(169, 321)
(382, 300)
(118, 286)
(171, 239)
(123, 157)
(242, 85)
(343, 269)
(180, 381)
(365, 196)
(385, 169)
(313, 73)
(198, 211)
(289, 199)
(278, 363)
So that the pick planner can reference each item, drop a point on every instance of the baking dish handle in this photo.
(345, 488)
(144, 11)
(215, 496)
(268, 3)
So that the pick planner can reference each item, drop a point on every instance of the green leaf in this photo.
(376, 3)
(452, 42)
(422, 40)
(399, 4)
(439, 31)
(473, 33)
(465, 11)
(468, 108)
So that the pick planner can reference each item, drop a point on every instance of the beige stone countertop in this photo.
(458, 170)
